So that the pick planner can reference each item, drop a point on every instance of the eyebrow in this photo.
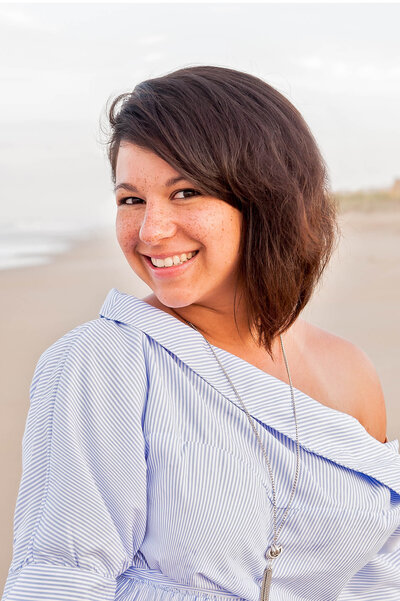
(170, 182)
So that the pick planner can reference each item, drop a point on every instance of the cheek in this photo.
(216, 222)
(126, 230)
(229, 233)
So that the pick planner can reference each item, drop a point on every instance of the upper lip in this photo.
(165, 255)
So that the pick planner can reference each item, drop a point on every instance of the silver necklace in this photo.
(275, 549)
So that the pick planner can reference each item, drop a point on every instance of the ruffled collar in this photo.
(324, 431)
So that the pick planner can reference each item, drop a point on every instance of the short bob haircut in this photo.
(238, 139)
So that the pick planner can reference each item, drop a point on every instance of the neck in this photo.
(221, 326)
(218, 326)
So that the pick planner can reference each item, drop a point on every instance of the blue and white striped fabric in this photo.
(143, 480)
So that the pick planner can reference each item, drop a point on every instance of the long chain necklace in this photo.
(275, 549)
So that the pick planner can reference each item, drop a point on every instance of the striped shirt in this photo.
(143, 480)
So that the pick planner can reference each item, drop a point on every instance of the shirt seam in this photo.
(144, 581)
(26, 563)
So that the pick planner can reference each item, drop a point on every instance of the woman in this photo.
(205, 441)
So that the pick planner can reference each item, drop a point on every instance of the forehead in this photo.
(140, 165)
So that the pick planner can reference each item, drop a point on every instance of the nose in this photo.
(158, 223)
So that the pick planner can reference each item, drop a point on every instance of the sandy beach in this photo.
(359, 299)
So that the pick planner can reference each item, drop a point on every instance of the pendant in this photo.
(266, 584)
(272, 553)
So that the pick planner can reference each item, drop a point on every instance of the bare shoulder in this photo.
(351, 376)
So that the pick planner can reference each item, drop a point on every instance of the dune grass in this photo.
(367, 201)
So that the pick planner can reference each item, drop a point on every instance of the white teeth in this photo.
(174, 260)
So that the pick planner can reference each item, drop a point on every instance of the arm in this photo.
(379, 578)
(80, 515)
(370, 408)
(347, 372)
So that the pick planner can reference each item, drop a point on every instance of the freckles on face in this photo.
(126, 228)
(163, 221)
(217, 226)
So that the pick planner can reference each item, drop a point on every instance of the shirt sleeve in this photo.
(80, 515)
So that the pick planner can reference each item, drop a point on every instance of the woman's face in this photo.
(159, 218)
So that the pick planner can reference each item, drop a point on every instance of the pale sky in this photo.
(338, 63)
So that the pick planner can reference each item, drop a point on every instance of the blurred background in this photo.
(60, 63)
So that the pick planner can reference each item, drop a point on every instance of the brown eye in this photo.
(129, 200)
(189, 191)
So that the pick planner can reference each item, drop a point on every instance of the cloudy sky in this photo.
(60, 63)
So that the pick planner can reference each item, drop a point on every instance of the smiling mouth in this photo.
(174, 261)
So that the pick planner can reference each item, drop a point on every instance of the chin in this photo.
(173, 299)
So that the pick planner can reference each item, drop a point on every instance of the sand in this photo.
(359, 300)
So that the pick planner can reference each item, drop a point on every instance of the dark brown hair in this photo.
(240, 140)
